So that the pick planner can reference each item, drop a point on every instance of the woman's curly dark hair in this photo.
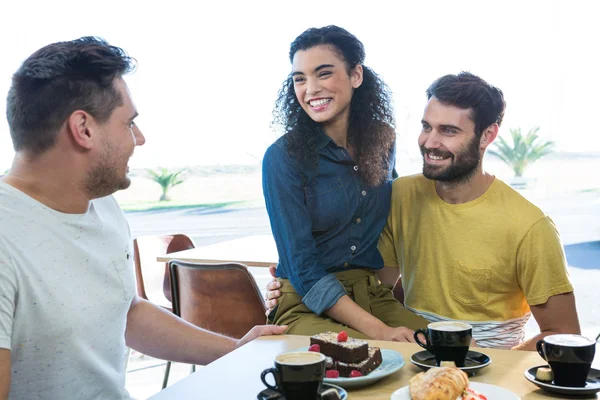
(371, 125)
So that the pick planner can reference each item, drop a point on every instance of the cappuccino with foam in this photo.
(569, 356)
(447, 341)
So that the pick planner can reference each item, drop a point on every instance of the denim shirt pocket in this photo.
(327, 203)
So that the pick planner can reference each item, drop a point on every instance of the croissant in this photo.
(438, 384)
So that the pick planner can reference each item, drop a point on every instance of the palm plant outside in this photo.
(166, 179)
(523, 151)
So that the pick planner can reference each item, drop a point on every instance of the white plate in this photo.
(492, 392)
(391, 362)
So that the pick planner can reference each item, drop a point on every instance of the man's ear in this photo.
(356, 76)
(81, 126)
(489, 135)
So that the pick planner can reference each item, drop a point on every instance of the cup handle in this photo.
(541, 349)
(426, 346)
(263, 378)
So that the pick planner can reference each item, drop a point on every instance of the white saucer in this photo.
(473, 363)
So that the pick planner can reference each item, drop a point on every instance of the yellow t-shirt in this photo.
(485, 260)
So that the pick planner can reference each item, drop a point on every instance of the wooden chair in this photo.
(153, 278)
(222, 298)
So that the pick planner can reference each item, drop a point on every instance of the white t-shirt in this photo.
(66, 285)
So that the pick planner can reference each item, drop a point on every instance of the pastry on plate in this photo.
(445, 383)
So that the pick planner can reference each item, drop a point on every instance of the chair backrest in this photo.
(153, 277)
(222, 298)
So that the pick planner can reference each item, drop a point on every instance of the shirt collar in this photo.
(322, 139)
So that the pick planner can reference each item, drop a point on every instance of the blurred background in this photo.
(208, 76)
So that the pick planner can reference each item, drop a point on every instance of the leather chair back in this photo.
(222, 298)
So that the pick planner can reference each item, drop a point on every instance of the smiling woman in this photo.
(339, 96)
(327, 186)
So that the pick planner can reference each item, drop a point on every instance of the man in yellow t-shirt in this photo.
(466, 245)
(484, 261)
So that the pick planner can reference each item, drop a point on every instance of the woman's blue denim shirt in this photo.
(323, 221)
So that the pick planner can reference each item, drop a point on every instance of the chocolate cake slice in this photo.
(364, 367)
(351, 351)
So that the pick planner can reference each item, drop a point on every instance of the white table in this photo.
(255, 251)
(237, 375)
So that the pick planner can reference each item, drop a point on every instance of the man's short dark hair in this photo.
(468, 91)
(59, 79)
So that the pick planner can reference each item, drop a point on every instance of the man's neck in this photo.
(52, 184)
(463, 192)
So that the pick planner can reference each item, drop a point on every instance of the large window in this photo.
(208, 77)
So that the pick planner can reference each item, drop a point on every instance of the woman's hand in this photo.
(400, 334)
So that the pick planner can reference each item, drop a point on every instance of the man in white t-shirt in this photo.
(68, 306)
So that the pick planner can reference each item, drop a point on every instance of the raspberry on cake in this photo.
(349, 351)
(315, 348)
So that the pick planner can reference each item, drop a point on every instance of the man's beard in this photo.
(461, 168)
(104, 179)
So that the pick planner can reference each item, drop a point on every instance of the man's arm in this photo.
(161, 334)
(388, 275)
(4, 373)
(543, 276)
(557, 315)
(391, 276)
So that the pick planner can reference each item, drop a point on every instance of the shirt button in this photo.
(353, 248)
(364, 192)
(345, 264)
(358, 220)
(356, 167)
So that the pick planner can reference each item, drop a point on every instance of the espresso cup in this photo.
(447, 341)
(569, 356)
(298, 374)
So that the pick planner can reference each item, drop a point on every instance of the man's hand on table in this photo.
(272, 293)
(261, 330)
